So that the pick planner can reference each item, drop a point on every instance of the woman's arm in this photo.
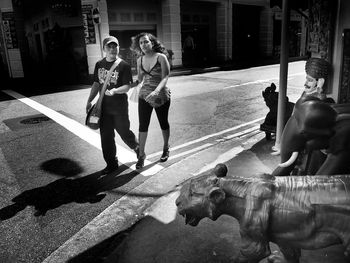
(164, 63)
(139, 72)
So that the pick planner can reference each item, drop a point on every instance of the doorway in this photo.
(245, 33)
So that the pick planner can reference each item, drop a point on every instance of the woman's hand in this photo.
(151, 95)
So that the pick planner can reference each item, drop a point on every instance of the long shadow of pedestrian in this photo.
(87, 189)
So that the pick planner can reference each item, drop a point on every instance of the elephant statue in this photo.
(316, 139)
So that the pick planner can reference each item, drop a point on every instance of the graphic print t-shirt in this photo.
(121, 75)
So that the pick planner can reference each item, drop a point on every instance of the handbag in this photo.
(93, 118)
(94, 114)
(157, 101)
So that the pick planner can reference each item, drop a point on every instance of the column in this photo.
(266, 32)
(224, 30)
(95, 51)
(171, 28)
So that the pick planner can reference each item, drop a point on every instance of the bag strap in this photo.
(104, 87)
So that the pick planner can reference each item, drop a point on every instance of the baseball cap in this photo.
(110, 39)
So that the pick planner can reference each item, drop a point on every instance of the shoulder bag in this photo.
(94, 114)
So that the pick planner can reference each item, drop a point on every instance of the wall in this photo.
(343, 22)
(13, 55)
(94, 51)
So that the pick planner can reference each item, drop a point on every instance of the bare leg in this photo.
(142, 143)
(166, 135)
(142, 155)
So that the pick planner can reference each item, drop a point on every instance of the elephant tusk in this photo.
(290, 161)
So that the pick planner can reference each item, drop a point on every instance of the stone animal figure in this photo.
(314, 126)
(271, 100)
(294, 212)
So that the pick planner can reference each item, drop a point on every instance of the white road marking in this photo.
(85, 133)
(197, 149)
(208, 136)
(238, 134)
(261, 81)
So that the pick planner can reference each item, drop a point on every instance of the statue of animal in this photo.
(317, 135)
(294, 212)
(271, 99)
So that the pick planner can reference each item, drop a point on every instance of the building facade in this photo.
(63, 37)
(237, 31)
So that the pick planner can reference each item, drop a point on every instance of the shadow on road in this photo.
(38, 88)
(87, 189)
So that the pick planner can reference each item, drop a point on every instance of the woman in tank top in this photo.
(153, 69)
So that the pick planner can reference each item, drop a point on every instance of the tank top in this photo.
(151, 80)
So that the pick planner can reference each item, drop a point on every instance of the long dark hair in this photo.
(157, 45)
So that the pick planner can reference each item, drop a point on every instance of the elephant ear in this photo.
(315, 118)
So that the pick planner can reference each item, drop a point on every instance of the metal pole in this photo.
(283, 73)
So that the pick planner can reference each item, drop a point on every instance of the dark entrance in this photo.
(198, 33)
(199, 55)
(53, 49)
(245, 33)
(294, 38)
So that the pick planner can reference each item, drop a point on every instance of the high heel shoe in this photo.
(164, 156)
(140, 162)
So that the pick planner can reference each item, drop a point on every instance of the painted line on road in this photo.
(197, 149)
(261, 81)
(208, 136)
(85, 133)
(238, 134)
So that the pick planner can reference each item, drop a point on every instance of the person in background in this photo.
(114, 114)
(188, 50)
(153, 69)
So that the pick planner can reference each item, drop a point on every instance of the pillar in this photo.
(171, 29)
(224, 30)
(95, 51)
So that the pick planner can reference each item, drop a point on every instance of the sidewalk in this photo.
(161, 236)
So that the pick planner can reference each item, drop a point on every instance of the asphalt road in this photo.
(50, 185)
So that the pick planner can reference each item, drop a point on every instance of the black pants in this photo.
(145, 112)
(121, 124)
